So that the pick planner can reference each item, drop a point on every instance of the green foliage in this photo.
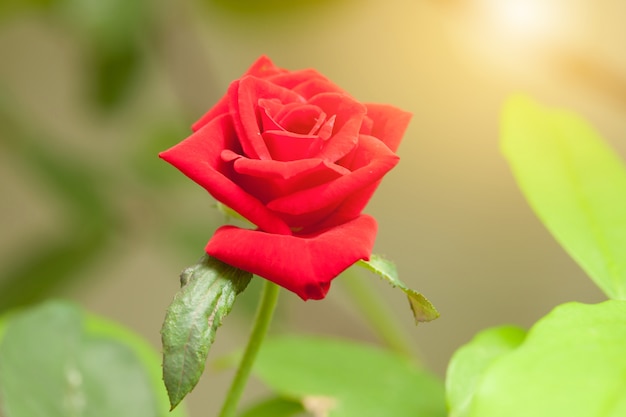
(575, 183)
(207, 295)
(423, 310)
(51, 263)
(112, 34)
(9, 8)
(571, 363)
(348, 379)
(270, 7)
(57, 361)
(274, 407)
(471, 361)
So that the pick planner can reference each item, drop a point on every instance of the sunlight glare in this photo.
(530, 19)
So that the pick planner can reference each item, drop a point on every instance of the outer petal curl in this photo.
(389, 123)
(303, 264)
(262, 68)
(199, 158)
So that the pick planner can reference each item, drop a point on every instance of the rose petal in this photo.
(244, 95)
(262, 68)
(303, 264)
(303, 119)
(199, 158)
(287, 146)
(267, 109)
(307, 83)
(348, 115)
(389, 123)
(268, 179)
(370, 161)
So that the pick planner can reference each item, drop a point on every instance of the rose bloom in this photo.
(299, 158)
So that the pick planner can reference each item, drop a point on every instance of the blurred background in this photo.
(92, 90)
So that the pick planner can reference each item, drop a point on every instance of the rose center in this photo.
(299, 118)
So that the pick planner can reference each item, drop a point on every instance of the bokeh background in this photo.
(91, 90)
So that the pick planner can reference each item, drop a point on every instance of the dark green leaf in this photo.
(572, 363)
(575, 183)
(470, 362)
(56, 362)
(207, 295)
(347, 379)
(275, 407)
(423, 310)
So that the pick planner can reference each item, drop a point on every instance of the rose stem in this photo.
(265, 311)
(378, 316)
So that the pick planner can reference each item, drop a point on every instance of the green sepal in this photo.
(423, 310)
(207, 295)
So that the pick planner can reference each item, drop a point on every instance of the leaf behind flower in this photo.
(335, 378)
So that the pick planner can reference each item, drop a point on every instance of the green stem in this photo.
(264, 314)
(379, 317)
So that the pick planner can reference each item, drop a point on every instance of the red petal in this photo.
(244, 95)
(389, 123)
(268, 179)
(349, 115)
(262, 68)
(370, 162)
(287, 146)
(307, 83)
(199, 158)
(304, 265)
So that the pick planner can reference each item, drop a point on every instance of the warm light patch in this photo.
(524, 18)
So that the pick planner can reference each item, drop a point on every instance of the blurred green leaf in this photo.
(113, 70)
(575, 183)
(207, 295)
(146, 354)
(145, 162)
(112, 34)
(469, 363)
(271, 7)
(8, 8)
(348, 379)
(274, 407)
(55, 361)
(50, 263)
(423, 310)
(47, 267)
(572, 363)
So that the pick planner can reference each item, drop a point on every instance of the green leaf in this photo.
(423, 310)
(274, 407)
(346, 379)
(55, 361)
(470, 362)
(207, 295)
(150, 359)
(572, 364)
(575, 183)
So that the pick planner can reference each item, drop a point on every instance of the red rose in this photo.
(300, 158)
